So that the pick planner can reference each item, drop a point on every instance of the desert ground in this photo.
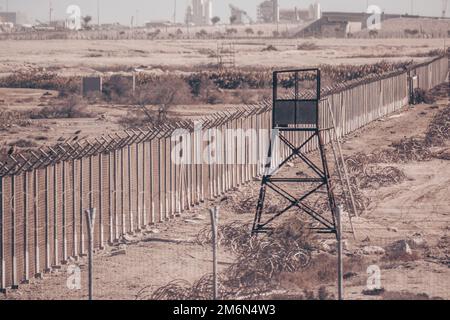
(84, 57)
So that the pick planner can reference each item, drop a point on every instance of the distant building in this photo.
(200, 12)
(268, 11)
(10, 17)
(294, 15)
(339, 24)
(315, 11)
(158, 24)
(239, 16)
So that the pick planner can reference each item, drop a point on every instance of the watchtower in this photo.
(296, 123)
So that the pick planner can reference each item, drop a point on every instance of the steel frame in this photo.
(322, 175)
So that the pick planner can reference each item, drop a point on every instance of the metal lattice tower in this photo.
(295, 123)
(226, 55)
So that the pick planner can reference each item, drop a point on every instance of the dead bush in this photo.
(269, 48)
(307, 46)
(72, 107)
(322, 269)
(321, 294)
(23, 143)
(423, 96)
(172, 91)
(439, 129)
(118, 89)
(9, 119)
(38, 138)
(404, 295)
(135, 119)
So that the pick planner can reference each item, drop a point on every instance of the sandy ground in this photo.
(418, 205)
(86, 57)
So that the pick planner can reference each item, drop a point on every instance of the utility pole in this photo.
(50, 13)
(98, 13)
(175, 12)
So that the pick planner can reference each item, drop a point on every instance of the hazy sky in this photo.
(122, 10)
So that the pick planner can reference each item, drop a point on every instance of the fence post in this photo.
(36, 224)
(64, 218)
(339, 249)
(15, 284)
(100, 201)
(25, 229)
(2, 243)
(55, 218)
(90, 215)
(214, 222)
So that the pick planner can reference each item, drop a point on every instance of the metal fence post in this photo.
(64, 207)
(2, 240)
(15, 284)
(340, 249)
(36, 224)
(90, 215)
(214, 225)
(55, 217)
(100, 201)
(25, 228)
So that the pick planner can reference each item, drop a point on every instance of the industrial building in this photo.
(8, 17)
(269, 11)
(239, 16)
(199, 13)
(340, 24)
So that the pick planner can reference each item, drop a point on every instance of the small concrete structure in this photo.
(91, 84)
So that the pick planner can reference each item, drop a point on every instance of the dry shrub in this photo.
(270, 48)
(439, 129)
(38, 79)
(307, 46)
(72, 107)
(403, 295)
(365, 174)
(38, 138)
(9, 119)
(323, 269)
(322, 294)
(172, 91)
(134, 119)
(441, 252)
(410, 149)
(118, 89)
(23, 143)
(373, 292)
(423, 96)
(394, 257)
